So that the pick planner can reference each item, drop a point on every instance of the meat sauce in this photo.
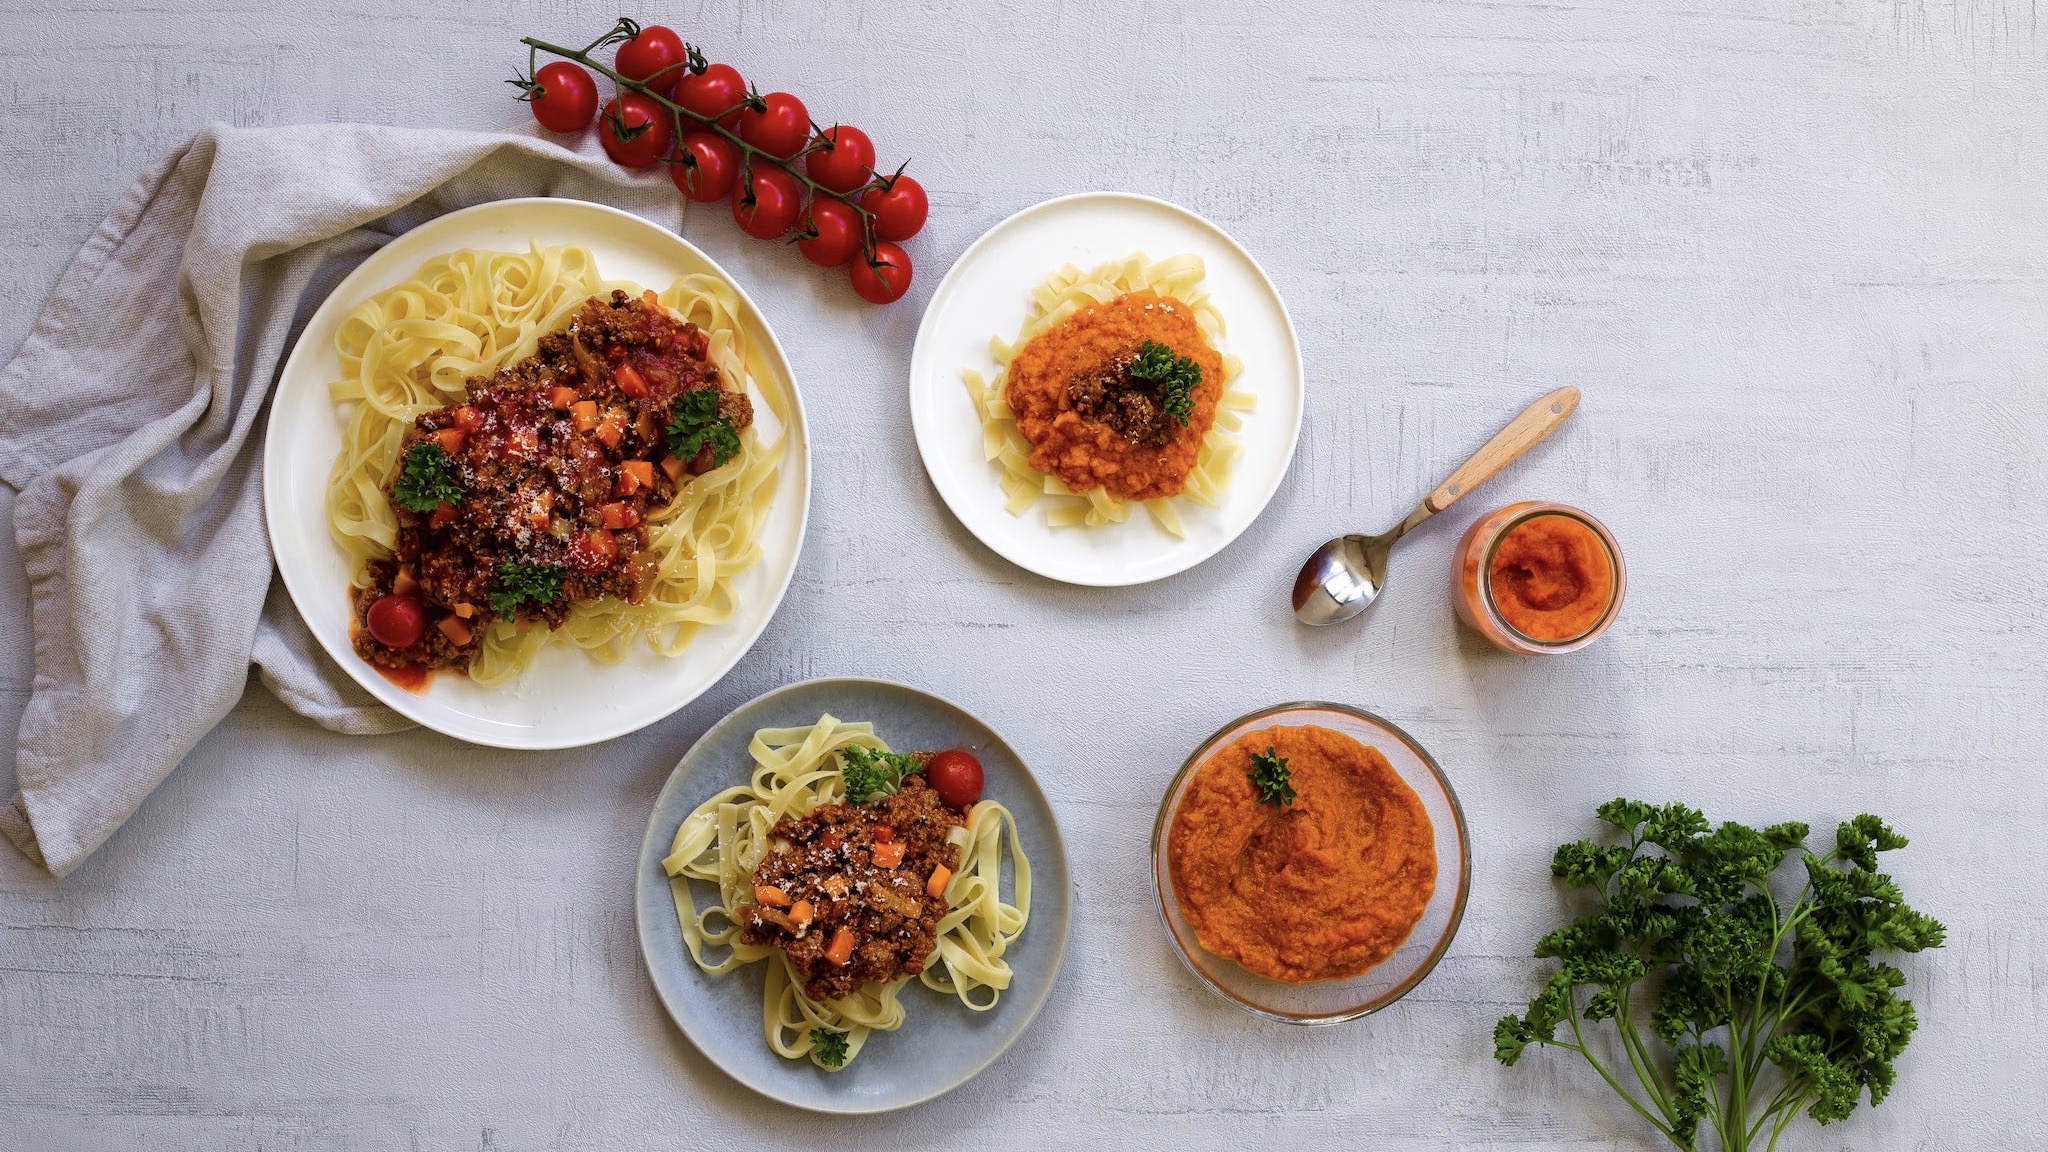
(561, 459)
(824, 878)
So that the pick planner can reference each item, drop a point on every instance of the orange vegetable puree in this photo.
(1088, 454)
(1551, 578)
(1321, 889)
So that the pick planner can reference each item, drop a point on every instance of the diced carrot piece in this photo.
(889, 855)
(583, 415)
(631, 382)
(770, 895)
(884, 833)
(451, 439)
(405, 583)
(674, 468)
(802, 913)
(626, 484)
(836, 886)
(618, 516)
(523, 442)
(468, 419)
(612, 427)
(840, 950)
(641, 470)
(560, 398)
(443, 516)
(936, 886)
(465, 609)
(543, 509)
(456, 631)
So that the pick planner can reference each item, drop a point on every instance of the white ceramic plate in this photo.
(566, 699)
(987, 294)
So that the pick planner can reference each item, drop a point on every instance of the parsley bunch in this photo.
(1272, 779)
(427, 480)
(523, 583)
(1765, 1008)
(1177, 377)
(828, 1047)
(697, 422)
(870, 773)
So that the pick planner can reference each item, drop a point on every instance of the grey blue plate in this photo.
(943, 1044)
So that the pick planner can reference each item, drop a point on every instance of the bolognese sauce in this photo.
(534, 493)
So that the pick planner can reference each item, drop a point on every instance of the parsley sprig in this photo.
(870, 773)
(427, 479)
(525, 583)
(1177, 377)
(1271, 777)
(1687, 925)
(697, 422)
(828, 1047)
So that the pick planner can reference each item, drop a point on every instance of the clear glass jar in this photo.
(1472, 580)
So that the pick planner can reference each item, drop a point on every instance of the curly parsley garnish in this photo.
(870, 773)
(1270, 776)
(1177, 377)
(427, 480)
(828, 1047)
(525, 583)
(697, 422)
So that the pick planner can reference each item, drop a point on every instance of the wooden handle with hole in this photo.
(1524, 432)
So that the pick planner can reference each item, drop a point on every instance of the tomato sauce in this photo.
(1320, 889)
(1085, 453)
(1551, 578)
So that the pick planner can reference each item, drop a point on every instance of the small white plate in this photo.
(566, 699)
(988, 292)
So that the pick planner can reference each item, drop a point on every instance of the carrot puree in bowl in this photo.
(1322, 888)
(1551, 578)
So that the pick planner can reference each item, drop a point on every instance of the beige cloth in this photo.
(130, 424)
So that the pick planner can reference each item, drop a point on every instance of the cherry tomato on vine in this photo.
(768, 203)
(780, 127)
(956, 776)
(843, 159)
(885, 278)
(634, 130)
(838, 233)
(566, 99)
(899, 207)
(655, 50)
(706, 167)
(716, 91)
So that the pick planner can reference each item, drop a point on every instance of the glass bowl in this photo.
(1330, 1001)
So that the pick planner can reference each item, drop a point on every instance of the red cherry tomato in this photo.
(634, 130)
(956, 777)
(780, 127)
(711, 169)
(768, 203)
(567, 98)
(657, 52)
(718, 91)
(886, 278)
(844, 159)
(397, 621)
(899, 208)
(838, 233)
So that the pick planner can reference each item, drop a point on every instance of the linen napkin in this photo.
(129, 425)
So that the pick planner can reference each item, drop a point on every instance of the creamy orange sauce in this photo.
(1087, 454)
(1551, 578)
(1322, 889)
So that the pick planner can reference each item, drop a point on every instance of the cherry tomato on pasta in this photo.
(780, 127)
(396, 621)
(657, 52)
(768, 203)
(899, 207)
(837, 228)
(706, 167)
(956, 776)
(567, 97)
(717, 92)
(634, 129)
(843, 160)
(884, 278)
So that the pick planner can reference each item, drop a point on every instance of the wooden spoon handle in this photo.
(1524, 432)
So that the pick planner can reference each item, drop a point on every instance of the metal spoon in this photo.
(1344, 576)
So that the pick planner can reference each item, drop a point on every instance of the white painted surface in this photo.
(1794, 252)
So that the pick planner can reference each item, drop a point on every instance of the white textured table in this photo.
(1794, 251)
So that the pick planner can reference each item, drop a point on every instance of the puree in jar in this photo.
(1551, 578)
(1088, 422)
(1319, 889)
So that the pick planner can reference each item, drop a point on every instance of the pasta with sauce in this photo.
(723, 840)
(416, 346)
